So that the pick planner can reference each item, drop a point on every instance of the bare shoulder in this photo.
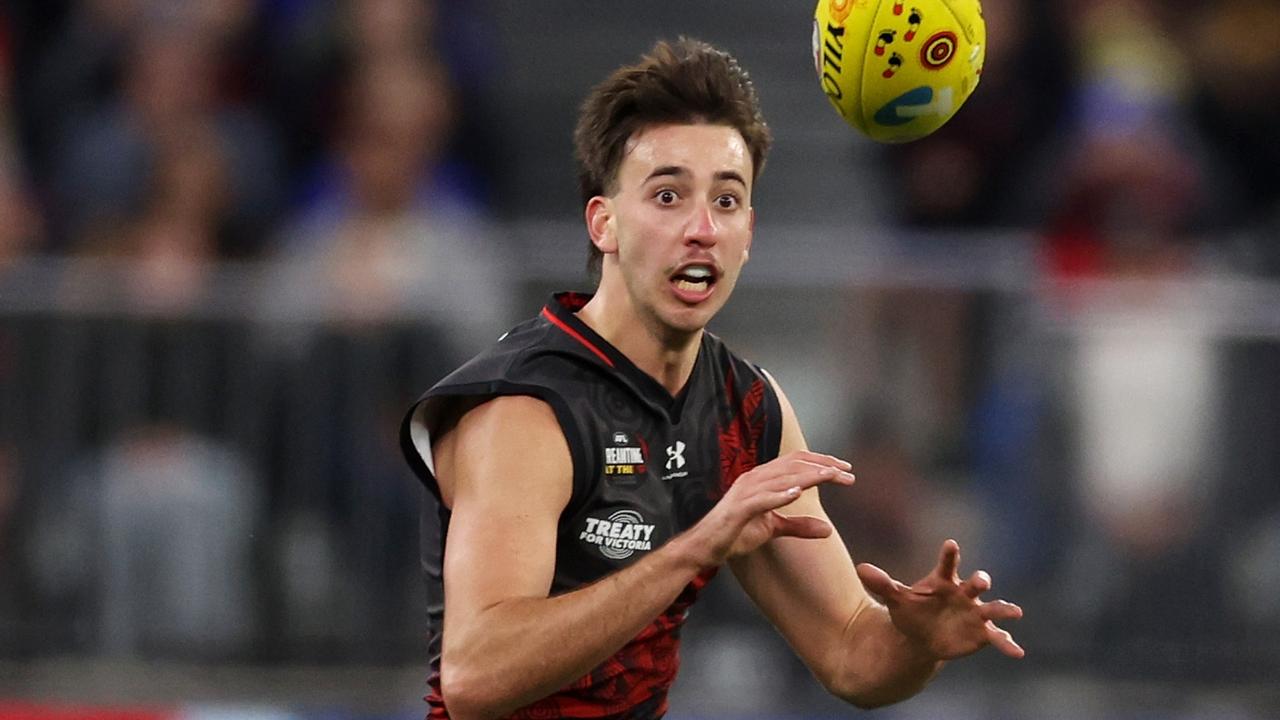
(514, 414)
(511, 436)
(792, 435)
(505, 472)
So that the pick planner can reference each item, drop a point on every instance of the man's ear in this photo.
(600, 224)
(751, 233)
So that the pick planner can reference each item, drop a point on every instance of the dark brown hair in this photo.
(687, 81)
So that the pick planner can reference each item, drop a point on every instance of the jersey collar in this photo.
(561, 312)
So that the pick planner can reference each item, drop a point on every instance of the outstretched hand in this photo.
(942, 613)
(747, 515)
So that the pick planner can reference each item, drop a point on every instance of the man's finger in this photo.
(801, 526)
(879, 582)
(811, 475)
(949, 560)
(978, 583)
(1003, 641)
(762, 502)
(800, 461)
(821, 459)
(1000, 610)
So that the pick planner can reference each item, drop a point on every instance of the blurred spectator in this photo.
(162, 522)
(390, 28)
(168, 97)
(179, 514)
(74, 71)
(1127, 207)
(386, 231)
(1133, 191)
(1232, 45)
(921, 344)
(1145, 389)
(313, 47)
(966, 174)
(316, 48)
(135, 494)
(386, 245)
(1130, 179)
(171, 241)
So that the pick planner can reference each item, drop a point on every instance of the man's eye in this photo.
(666, 197)
(727, 202)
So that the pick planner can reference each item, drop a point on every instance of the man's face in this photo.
(679, 226)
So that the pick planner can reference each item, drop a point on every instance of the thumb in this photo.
(879, 582)
(801, 526)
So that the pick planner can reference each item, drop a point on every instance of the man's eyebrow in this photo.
(673, 170)
(680, 171)
(731, 175)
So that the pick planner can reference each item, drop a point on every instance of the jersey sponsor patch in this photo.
(675, 461)
(625, 457)
(620, 535)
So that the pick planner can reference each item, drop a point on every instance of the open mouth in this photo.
(694, 279)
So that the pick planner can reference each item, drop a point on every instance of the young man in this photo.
(590, 472)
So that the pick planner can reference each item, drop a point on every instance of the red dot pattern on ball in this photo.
(938, 50)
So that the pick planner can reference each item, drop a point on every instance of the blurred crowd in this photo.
(176, 134)
(342, 145)
(357, 138)
(1107, 473)
(353, 146)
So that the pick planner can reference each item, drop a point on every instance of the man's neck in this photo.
(663, 354)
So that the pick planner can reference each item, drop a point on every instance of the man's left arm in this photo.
(866, 651)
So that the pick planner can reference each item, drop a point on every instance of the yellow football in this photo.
(898, 69)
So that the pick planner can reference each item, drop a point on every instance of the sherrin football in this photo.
(898, 69)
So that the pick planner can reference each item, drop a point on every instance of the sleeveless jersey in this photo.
(646, 466)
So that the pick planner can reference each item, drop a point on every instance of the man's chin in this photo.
(691, 318)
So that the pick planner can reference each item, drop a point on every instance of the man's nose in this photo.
(702, 227)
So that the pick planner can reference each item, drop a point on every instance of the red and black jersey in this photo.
(646, 466)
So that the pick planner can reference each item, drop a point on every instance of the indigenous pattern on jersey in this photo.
(646, 466)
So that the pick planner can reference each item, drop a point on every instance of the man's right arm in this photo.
(506, 473)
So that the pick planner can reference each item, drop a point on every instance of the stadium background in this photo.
(238, 237)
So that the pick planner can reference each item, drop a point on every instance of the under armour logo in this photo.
(675, 456)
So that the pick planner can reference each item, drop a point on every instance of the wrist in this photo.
(907, 649)
(915, 651)
(910, 648)
(692, 554)
(878, 663)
